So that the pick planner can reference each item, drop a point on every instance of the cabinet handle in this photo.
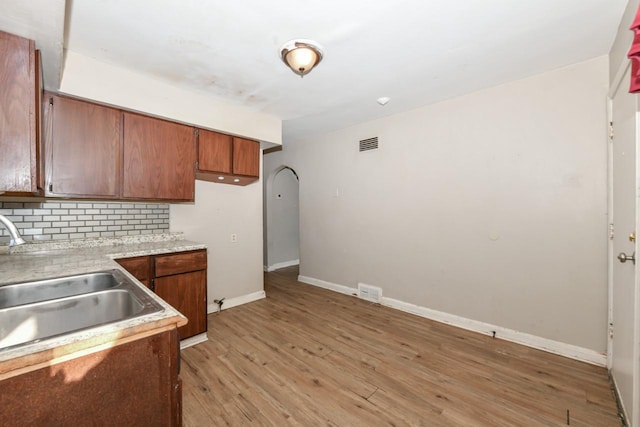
(153, 285)
(50, 187)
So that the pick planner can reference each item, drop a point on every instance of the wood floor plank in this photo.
(305, 356)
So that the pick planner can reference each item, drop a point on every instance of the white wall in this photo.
(282, 215)
(85, 77)
(235, 269)
(42, 21)
(491, 206)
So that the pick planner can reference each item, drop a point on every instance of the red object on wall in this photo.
(634, 55)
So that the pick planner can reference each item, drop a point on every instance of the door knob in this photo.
(624, 257)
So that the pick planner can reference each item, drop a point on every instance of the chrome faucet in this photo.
(16, 239)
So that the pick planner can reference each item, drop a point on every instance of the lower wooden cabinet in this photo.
(135, 383)
(178, 278)
(186, 293)
(139, 267)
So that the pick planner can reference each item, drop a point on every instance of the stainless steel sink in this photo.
(43, 290)
(33, 311)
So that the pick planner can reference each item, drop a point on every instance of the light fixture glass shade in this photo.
(301, 55)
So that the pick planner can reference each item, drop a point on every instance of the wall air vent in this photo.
(369, 293)
(369, 144)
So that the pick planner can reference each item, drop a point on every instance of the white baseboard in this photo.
(279, 265)
(563, 349)
(567, 350)
(196, 339)
(328, 285)
(236, 301)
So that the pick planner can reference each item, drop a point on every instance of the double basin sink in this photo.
(38, 310)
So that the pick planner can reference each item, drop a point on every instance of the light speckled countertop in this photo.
(37, 261)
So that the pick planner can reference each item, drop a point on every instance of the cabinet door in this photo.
(246, 157)
(187, 293)
(18, 115)
(214, 151)
(159, 159)
(134, 383)
(83, 147)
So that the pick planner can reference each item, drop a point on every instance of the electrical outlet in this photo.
(234, 238)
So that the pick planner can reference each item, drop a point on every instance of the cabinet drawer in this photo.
(139, 267)
(166, 265)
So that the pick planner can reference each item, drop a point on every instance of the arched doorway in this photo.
(281, 222)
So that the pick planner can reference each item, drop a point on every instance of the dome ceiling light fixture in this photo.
(301, 55)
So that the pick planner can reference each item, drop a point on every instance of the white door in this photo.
(625, 354)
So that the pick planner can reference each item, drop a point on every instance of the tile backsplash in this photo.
(62, 220)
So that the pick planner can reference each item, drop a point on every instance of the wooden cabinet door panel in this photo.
(187, 293)
(83, 149)
(246, 157)
(18, 114)
(183, 262)
(131, 384)
(214, 151)
(159, 159)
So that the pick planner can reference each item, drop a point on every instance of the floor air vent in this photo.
(369, 144)
(369, 293)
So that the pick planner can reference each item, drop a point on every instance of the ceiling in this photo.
(42, 21)
(416, 52)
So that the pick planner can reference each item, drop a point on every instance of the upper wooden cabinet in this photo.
(227, 159)
(246, 157)
(214, 152)
(20, 92)
(83, 148)
(159, 159)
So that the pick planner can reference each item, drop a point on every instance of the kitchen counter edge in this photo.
(27, 266)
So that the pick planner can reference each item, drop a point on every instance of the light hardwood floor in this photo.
(305, 356)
